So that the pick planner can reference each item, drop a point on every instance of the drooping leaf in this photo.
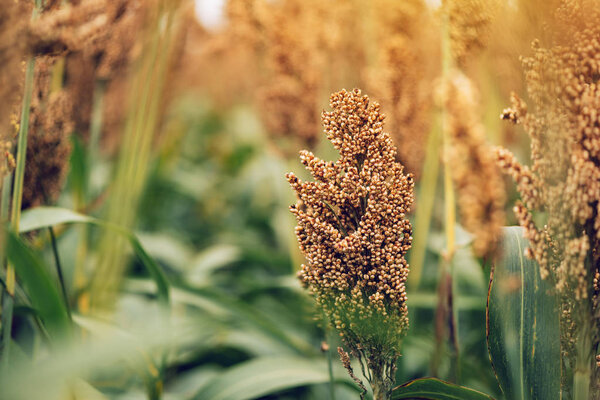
(42, 217)
(435, 389)
(39, 285)
(263, 376)
(523, 325)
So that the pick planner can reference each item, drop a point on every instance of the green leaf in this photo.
(523, 325)
(42, 217)
(435, 389)
(39, 285)
(263, 376)
(153, 268)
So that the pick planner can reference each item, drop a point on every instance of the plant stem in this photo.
(448, 312)
(17, 194)
(8, 301)
(7, 314)
(426, 200)
(382, 387)
(59, 270)
(330, 364)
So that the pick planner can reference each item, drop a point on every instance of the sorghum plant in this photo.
(353, 230)
(560, 192)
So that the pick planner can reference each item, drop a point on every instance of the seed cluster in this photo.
(564, 179)
(478, 182)
(353, 229)
(468, 26)
(290, 100)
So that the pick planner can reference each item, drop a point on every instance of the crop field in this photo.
(299, 199)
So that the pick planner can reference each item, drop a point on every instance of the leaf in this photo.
(435, 389)
(39, 285)
(41, 217)
(264, 376)
(523, 331)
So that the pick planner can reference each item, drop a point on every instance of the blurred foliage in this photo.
(214, 216)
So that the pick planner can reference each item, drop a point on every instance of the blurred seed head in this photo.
(562, 122)
(13, 22)
(468, 24)
(401, 74)
(48, 141)
(478, 182)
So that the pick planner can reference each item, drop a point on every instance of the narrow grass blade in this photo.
(435, 389)
(39, 285)
(425, 201)
(42, 217)
(523, 331)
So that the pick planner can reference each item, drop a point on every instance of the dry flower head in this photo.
(353, 230)
(399, 77)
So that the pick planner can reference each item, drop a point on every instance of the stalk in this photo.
(426, 200)
(449, 312)
(134, 158)
(329, 360)
(59, 270)
(381, 391)
(8, 301)
(82, 196)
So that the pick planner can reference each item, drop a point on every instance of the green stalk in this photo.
(132, 169)
(329, 361)
(4, 208)
(82, 196)
(59, 270)
(448, 311)
(8, 301)
(17, 194)
(426, 200)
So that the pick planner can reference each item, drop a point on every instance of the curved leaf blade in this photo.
(42, 217)
(523, 332)
(264, 376)
(436, 389)
(39, 285)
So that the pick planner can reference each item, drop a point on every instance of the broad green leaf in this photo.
(42, 217)
(39, 285)
(523, 325)
(255, 318)
(263, 376)
(435, 389)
